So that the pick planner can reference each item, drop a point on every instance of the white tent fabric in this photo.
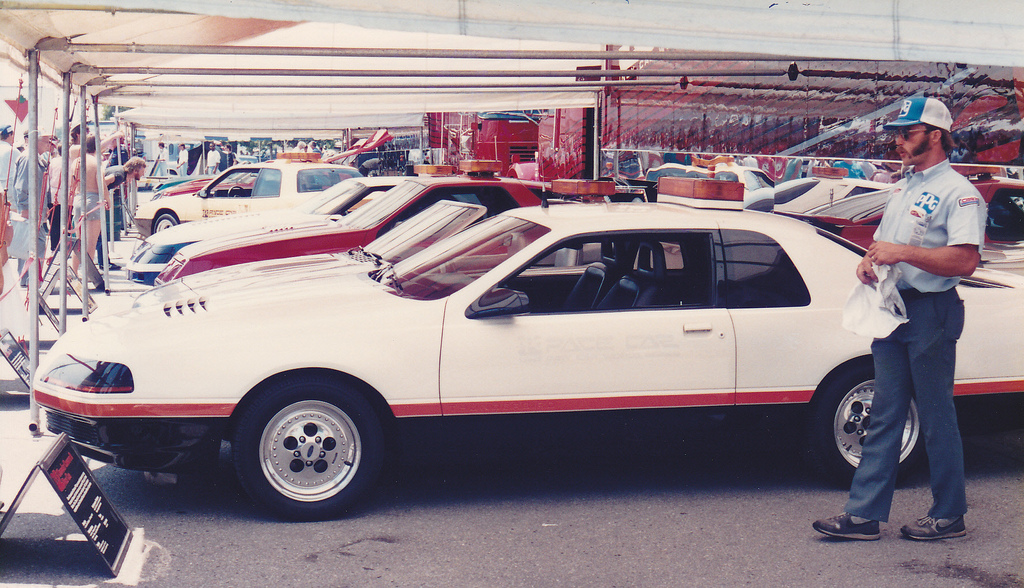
(986, 32)
(241, 125)
(990, 32)
(230, 103)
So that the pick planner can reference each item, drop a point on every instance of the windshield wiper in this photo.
(386, 275)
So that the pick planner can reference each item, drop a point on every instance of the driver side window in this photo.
(238, 184)
(620, 271)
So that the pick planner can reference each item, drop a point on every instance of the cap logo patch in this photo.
(906, 108)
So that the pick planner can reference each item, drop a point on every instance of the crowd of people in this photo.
(110, 158)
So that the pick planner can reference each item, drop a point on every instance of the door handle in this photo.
(697, 328)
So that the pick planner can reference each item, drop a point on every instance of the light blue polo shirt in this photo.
(945, 206)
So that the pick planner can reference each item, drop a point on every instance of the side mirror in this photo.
(499, 302)
(202, 193)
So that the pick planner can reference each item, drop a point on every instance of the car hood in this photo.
(289, 278)
(232, 223)
(312, 227)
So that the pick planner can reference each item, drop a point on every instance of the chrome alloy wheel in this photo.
(853, 415)
(310, 451)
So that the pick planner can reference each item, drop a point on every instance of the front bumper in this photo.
(144, 226)
(150, 444)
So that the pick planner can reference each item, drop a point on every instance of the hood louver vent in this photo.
(182, 307)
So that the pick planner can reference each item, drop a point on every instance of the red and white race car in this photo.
(478, 185)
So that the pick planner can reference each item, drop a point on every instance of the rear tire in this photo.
(165, 220)
(308, 447)
(839, 417)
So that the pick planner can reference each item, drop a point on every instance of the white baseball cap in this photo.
(920, 110)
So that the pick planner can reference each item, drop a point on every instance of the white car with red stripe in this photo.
(302, 363)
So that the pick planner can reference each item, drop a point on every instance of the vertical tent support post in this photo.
(63, 198)
(597, 136)
(34, 182)
(83, 237)
(102, 189)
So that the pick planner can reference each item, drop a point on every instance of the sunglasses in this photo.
(905, 132)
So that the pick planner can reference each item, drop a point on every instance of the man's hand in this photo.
(882, 253)
(866, 273)
(950, 261)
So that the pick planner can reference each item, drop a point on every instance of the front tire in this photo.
(307, 448)
(839, 418)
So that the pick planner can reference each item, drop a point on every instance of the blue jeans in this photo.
(916, 361)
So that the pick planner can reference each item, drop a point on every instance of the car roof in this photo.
(577, 218)
(374, 181)
(467, 179)
(289, 164)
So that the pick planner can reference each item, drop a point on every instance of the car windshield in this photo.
(441, 220)
(449, 265)
(385, 205)
(791, 190)
(755, 181)
(334, 200)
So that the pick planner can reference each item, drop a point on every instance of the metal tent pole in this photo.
(102, 189)
(32, 264)
(65, 201)
(83, 271)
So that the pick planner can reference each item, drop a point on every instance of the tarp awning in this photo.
(462, 55)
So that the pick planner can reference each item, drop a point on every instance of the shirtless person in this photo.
(97, 200)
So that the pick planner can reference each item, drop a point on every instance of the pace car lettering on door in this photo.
(559, 349)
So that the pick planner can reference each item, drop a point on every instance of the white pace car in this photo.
(301, 363)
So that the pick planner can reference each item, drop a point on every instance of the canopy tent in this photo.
(236, 65)
(277, 77)
(985, 32)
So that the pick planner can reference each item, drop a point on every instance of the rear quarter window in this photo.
(759, 273)
(317, 180)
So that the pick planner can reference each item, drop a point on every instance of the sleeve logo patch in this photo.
(969, 201)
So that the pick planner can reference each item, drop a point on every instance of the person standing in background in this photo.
(160, 165)
(20, 196)
(212, 159)
(228, 159)
(97, 201)
(7, 157)
(182, 168)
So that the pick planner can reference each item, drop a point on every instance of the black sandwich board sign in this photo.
(71, 478)
(15, 355)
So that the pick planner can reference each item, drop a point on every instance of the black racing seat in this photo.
(622, 295)
(650, 273)
(642, 286)
(584, 294)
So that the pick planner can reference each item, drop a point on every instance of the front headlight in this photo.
(141, 249)
(89, 375)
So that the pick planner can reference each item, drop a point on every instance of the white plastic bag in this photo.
(20, 244)
(13, 315)
(875, 310)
